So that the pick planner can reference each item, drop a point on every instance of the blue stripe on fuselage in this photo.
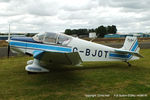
(19, 43)
(40, 46)
(119, 55)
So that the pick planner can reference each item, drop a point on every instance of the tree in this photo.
(75, 32)
(68, 32)
(101, 31)
(114, 29)
(83, 32)
(91, 30)
(109, 30)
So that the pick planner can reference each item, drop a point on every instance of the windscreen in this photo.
(50, 37)
(39, 37)
(63, 39)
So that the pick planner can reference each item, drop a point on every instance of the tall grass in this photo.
(74, 83)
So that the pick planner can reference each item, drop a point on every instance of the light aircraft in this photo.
(58, 48)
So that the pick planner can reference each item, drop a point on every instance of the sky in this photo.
(58, 15)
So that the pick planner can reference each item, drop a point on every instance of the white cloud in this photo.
(57, 15)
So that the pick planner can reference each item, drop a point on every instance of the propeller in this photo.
(8, 50)
(8, 47)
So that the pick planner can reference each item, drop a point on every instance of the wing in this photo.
(128, 52)
(58, 58)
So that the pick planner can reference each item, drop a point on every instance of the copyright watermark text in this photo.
(115, 95)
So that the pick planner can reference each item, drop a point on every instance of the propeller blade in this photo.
(8, 51)
(8, 48)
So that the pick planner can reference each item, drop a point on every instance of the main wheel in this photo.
(129, 64)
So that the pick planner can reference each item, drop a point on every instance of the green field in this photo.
(75, 83)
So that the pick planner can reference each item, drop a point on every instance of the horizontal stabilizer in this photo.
(127, 51)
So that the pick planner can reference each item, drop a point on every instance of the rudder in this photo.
(131, 44)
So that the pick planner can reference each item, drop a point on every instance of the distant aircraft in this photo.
(59, 48)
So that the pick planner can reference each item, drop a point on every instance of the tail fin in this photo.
(131, 44)
(130, 47)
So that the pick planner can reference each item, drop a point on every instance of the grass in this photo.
(73, 83)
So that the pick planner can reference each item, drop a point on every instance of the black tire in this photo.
(129, 65)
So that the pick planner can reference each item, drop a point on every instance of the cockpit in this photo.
(52, 38)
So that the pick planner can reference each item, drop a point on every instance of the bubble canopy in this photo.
(52, 38)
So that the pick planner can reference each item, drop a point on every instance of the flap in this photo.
(61, 58)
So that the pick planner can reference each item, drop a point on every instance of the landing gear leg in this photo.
(128, 63)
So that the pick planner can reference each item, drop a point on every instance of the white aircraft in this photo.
(59, 48)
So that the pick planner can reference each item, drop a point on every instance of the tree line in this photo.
(100, 31)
